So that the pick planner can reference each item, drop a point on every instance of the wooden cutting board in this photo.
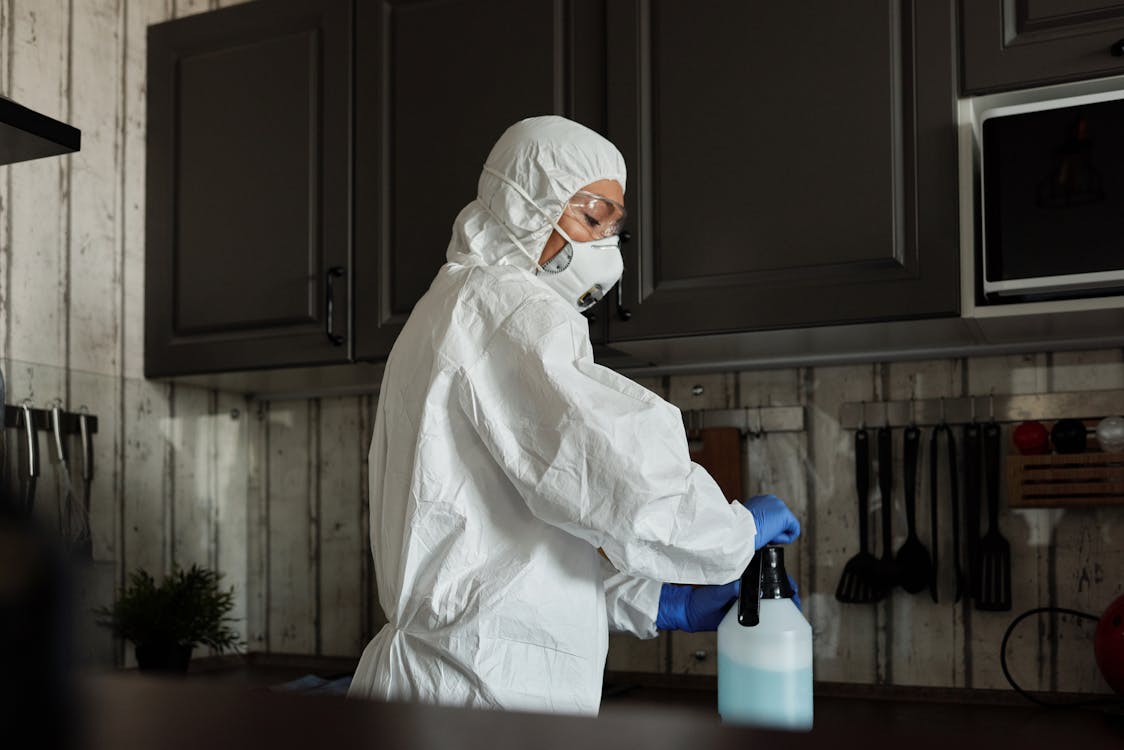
(719, 451)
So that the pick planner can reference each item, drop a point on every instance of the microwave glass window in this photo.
(1054, 192)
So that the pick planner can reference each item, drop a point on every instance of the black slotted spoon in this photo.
(860, 583)
(993, 590)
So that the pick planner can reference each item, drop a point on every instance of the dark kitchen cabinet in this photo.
(436, 84)
(249, 162)
(790, 164)
(307, 159)
(1010, 45)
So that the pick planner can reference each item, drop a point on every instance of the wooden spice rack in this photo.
(1065, 480)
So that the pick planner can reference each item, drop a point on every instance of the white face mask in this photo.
(583, 272)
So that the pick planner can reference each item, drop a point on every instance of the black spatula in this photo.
(860, 583)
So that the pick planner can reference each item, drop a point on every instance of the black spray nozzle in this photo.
(765, 578)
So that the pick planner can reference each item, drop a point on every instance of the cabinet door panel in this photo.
(1034, 42)
(248, 164)
(741, 203)
(435, 89)
(219, 284)
(791, 164)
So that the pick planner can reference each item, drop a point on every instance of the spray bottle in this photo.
(765, 651)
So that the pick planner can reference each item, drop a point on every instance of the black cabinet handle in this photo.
(622, 312)
(333, 273)
(1117, 49)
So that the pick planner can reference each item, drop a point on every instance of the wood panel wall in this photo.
(274, 494)
(170, 485)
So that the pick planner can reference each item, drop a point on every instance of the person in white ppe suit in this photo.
(503, 458)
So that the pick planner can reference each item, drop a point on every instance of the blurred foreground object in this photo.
(35, 635)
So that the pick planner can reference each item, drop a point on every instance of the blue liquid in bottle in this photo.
(764, 697)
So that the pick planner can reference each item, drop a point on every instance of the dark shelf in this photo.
(26, 134)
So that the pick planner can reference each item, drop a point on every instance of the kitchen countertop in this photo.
(229, 707)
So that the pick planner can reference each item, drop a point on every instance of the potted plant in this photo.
(166, 622)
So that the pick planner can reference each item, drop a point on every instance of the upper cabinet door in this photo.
(790, 164)
(436, 85)
(1032, 42)
(249, 132)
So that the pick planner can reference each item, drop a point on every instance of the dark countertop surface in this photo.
(231, 708)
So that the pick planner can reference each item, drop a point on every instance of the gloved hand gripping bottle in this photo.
(765, 651)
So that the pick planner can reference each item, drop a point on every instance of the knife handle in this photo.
(56, 429)
(32, 436)
(87, 446)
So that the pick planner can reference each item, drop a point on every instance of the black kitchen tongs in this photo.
(954, 494)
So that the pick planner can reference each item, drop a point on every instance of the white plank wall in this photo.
(274, 495)
(172, 464)
(343, 540)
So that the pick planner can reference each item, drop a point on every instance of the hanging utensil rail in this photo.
(1003, 408)
(41, 418)
(750, 420)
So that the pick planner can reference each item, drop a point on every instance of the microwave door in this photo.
(1053, 199)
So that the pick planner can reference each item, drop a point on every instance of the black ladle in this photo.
(913, 562)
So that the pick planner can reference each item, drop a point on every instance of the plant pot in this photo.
(166, 657)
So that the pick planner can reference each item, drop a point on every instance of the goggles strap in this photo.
(523, 193)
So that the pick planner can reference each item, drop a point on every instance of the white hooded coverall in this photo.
(503, 457)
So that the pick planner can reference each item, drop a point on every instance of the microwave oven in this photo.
(1052, 199)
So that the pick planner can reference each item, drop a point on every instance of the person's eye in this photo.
(591, 221)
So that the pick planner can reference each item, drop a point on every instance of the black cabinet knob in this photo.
(1117, 48)
(626, 235)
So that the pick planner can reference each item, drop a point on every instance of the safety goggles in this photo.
(601, 216)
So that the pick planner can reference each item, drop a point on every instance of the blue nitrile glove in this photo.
(775, 522)
(695, 608)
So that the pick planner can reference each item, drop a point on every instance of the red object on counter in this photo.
(1031, 438)
(1109, 645)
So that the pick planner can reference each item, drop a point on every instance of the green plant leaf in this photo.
(188, 607)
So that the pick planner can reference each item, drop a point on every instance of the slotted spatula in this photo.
(860, 583)
(993, 590)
